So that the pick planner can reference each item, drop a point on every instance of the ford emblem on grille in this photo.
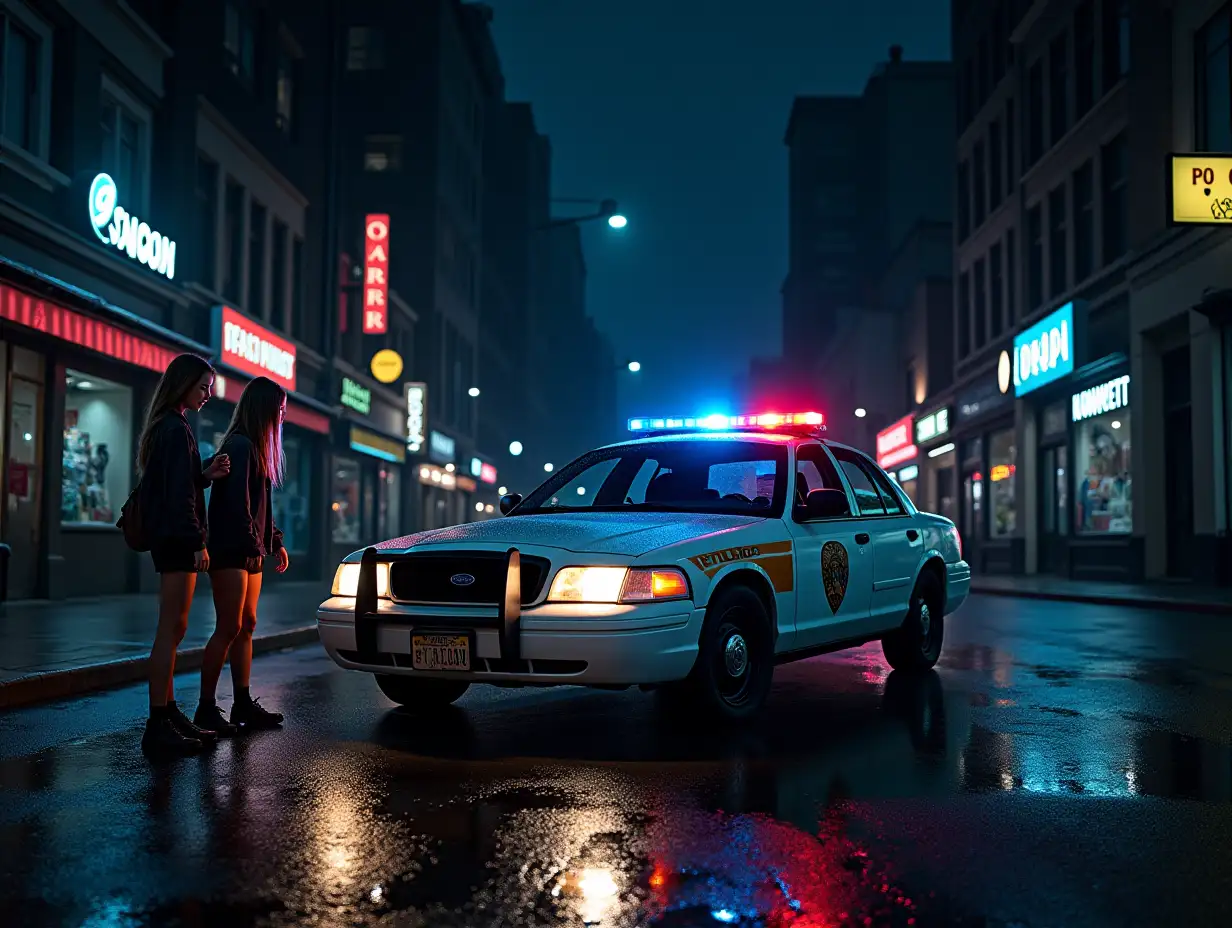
(462, 579)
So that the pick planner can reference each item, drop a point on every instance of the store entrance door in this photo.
(1178, 463)
(1054, 529)
(23, 472)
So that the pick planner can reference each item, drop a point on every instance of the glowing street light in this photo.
(861, 412)
(548, 467)
(503, 491)
(635, 366)
(479, 507)
(617, 221)
(473, 391)
(515, 448)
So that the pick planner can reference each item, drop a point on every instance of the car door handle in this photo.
(912, 534)
(862, 538)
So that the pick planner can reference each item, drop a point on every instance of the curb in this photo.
(60, 684)
(1110, 599)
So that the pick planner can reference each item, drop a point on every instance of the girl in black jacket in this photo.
(173, 507)
(242, 535)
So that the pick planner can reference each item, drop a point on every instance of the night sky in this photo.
(677, 109)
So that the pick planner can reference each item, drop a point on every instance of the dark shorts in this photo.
(173, 559)
(225, 561)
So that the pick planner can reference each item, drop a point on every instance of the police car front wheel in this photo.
(916, 644)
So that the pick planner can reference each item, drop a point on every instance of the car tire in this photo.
(414, 693)
(735, 661)
(916, 644)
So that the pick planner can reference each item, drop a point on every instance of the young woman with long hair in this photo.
(242, 535)
(173, 507)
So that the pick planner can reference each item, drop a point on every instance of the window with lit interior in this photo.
(291, 499)
(97, 466)
(344, 501)
(1103, 498)
(1002, 471)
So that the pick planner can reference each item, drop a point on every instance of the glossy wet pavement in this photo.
(1067, 765)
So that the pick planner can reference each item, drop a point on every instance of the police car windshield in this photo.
(703, 475)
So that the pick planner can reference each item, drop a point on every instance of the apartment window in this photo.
(299, 322)
(255, 303)
(278, 277)
(1011, 176)
(995, 165)
(27, 80)
(207, 220)
(964, 314)
(1085, 61)
(1035, 256)
(1035, 113)
(125, 130)
(964, 200)
(1058, 244)
(365, 49)
(1213, 119)
(284, 101)
(980, 282)
(996, 297)
(238, 39)
(1116, 42)
(1058, 87)
(1114, 173)
(1011, 279)
(383, 153)
(1084, 222)
(233, 242)
(980, 193)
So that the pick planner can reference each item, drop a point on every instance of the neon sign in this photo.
(894, 444)
(120, 229)
(356, 396)
(376, 273)
(1045, 351)
(1107, 397)
(254, 349)
(416, 407)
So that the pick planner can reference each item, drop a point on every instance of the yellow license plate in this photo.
(440, 652)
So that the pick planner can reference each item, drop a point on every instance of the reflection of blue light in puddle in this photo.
(113, 913)
(724, 915)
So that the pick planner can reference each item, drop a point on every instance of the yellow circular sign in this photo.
(387, 365)
(1003, 371)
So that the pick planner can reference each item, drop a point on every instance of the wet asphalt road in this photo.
(1066, 765)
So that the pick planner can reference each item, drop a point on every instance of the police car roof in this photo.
(760, 436)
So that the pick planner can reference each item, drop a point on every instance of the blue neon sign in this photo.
(1044, 352)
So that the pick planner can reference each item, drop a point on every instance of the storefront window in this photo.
(291, 499)
(1002, 471)
(1103, 500)
(97, 469)
(388, 497)
(344, 501)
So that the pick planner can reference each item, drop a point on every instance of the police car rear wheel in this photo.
(916, 644)
(421, 694)
(735, 663)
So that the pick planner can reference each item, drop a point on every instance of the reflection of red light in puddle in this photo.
(741, 864)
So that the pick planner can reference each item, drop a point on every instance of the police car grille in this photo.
(434, 578)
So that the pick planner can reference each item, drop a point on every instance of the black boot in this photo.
(162, 739)
(249, 713)
(211, 718)
(185, 726)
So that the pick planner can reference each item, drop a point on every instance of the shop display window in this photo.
(1002, 478)
(388, 510)
(291, 500)
(345, 501)
(1103, 498)
(97, 470)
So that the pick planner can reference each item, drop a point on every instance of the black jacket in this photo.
(241, 515)
(174, 487)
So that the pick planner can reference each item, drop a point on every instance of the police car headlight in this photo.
(618, 585)
(346, 580)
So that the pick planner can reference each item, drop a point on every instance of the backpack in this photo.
(132, 522)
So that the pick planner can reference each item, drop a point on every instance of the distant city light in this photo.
(861, 412)
(581, 491)
(479, 507)
(635, 366)
(515, 448)
(548, 467)
(473, 391)
(617, 221)
(503, 491)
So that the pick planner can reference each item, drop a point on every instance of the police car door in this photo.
(834, 572)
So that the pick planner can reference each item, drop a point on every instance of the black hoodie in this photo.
(241, 514)
(174, 486)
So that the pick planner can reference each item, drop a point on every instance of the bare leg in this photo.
(241, 647)
(230, 589)
(174, 599)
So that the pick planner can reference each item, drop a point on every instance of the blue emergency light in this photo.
(765, 420)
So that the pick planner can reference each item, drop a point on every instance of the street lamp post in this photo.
(606, 209)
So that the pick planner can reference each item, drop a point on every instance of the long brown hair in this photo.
(258, 417)
(180, 377)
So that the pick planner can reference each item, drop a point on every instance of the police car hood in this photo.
(624, 533)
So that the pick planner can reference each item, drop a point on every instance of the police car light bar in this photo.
(766, 420)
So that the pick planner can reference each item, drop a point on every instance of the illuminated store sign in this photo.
(1044, 352)
(441, 447)
(416, 420)
(894, 444)
(376, 273)
(386, 365)
(484, 471)
(377, 445)
(907, 474)
(1201, 190)
(253, 349)
(1096, 401)
(934, 425)
(434, 476)
(120, 229)
(356, 396)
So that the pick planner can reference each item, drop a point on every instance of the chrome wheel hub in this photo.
(736, 655)
(926, 621)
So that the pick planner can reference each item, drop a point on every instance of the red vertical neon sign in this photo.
(376, 273)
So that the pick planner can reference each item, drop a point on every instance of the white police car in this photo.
(693, 558)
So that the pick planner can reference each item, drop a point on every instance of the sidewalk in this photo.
(50, 650)
(1181, 597)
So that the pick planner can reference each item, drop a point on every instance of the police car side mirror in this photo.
(826, 504)
(508, 501)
